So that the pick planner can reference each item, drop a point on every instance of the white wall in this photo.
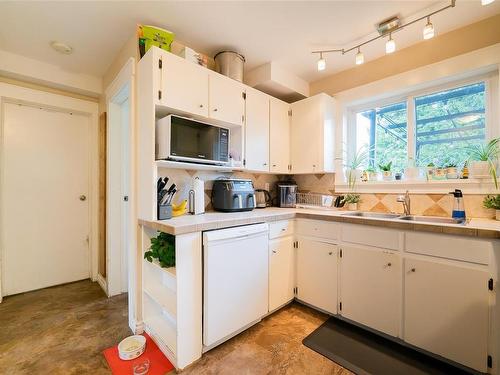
(34, 71)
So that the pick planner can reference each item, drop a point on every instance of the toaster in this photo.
(233, 195)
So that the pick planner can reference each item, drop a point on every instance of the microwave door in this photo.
(193, 140)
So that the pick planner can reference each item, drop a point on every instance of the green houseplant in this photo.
(387, 174)
(352, 201)
(163, 249)
(371, 174)
(493, 202)
(483, 158)
(353, 171)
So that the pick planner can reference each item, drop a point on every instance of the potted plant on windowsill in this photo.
(483, 160)
(353, 170)
(493, 202)
(387, 174)
(371, 173)
(451, 170)
(352, 201)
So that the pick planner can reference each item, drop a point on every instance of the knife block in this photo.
(164, 211)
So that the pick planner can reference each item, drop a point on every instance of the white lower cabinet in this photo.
(317, 270)
(281, 272)
(446, 310)
(370, 288)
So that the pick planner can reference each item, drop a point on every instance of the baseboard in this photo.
(102, 282)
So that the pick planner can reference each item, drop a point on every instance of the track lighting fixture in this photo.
(360, 58)
(486, 2)
(321, 63)
(390, 45)
(387, 28)
(428, 29)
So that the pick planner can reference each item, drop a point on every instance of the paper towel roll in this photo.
(198, 206)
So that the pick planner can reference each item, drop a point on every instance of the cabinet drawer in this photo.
(451, 247)
(281, 229)
(317, 228)
(371, 236)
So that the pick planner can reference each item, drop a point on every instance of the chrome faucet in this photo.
(405, 199)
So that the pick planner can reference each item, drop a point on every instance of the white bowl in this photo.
(131, 347)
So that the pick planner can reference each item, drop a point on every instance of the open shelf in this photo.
(192, 166)
(160, 324)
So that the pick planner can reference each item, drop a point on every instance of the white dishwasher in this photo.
(235, 280)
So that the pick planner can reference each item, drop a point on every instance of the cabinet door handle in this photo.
(388, 264)
(274, 251)
(274, 165)
(215, 109)
(264, 164)
(330, 253)
(413, 270)
(201, 105)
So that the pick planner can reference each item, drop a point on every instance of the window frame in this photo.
(490, 82)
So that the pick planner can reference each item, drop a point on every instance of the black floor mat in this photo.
(364, 352)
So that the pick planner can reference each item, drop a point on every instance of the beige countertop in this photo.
(485, 228)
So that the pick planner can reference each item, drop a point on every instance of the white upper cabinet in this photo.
(317, 270)
(257, 131)
(279, 136)
(446, 310)
(312, 135)
(226, 99)
(371, 288)
(183, 86)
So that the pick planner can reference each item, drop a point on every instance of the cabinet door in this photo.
(226, 99)
(446, 310)
(370, 288)
(257, 131)
(279, 152)
(281, 272)
(317, 271)
(306, 136)
(184, 85)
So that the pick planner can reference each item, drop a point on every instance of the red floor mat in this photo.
(158, 363)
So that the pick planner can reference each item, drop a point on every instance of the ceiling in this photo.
(284, 32)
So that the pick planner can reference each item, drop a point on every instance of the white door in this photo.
(45, 206)
(317, 270)
(305, 136)
(279, 136)
(281, 272)
(257, 131)
(226, 99)
(446, 310)
(370, 288)
(184, 85)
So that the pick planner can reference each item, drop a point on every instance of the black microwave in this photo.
(183, 139)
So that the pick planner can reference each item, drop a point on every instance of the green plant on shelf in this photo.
(352, 198)
(163, 249)
(385, 167)
(492, 201)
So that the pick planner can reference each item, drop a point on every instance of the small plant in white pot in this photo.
(371, 173)
(451, 170)
(387, 174)
(483, 160)
(352, 201)
(493, 202)
(353, 166)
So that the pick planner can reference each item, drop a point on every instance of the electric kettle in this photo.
(262, 198)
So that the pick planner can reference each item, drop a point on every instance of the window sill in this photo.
(469, 186)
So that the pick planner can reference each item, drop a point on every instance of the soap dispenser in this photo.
(458, 212)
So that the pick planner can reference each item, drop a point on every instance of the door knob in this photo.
(83, 197)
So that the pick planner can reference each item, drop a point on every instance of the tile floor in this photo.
(60, 330)
(63, 330)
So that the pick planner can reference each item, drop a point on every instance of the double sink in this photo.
(411, 218)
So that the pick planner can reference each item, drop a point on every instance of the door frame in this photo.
(119, 91)
(10, 93)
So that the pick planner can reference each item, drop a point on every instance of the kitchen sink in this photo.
(376, 215)
(431, 219)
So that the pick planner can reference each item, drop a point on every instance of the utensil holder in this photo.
(164, 211)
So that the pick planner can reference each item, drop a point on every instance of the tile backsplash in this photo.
(421, 204)
(183, 179)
